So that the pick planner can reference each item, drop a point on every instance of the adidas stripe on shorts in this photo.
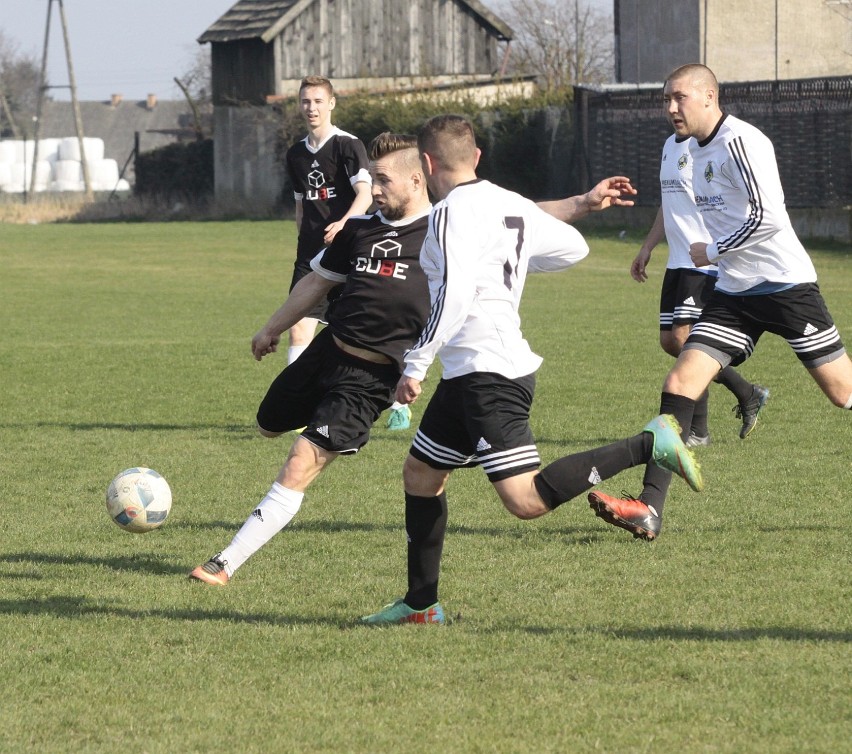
(684, 294)
(730, 326)
(337, 395)
(479, 419)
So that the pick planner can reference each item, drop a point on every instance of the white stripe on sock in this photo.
(849, 402)
(275, 511)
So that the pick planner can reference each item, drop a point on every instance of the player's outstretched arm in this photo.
(610, 192)
(306, 294)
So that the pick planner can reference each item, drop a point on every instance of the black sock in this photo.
(655, 483)
(572, 475)
(736, 383)
(699, 416)
(426, 525)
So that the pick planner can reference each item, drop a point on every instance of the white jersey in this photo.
(682, 220)
(482, 241)
(738, 192)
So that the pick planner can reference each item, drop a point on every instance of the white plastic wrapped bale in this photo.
(48, 149)
(20, 150)
(5, 176)
(103, 174)
(69, 148)
(8, 152)
(122, 185)
(21, 176)
(68, 176)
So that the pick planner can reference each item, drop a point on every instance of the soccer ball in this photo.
(139, 499)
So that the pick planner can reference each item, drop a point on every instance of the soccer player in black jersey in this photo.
(347, 374)
(329, 171)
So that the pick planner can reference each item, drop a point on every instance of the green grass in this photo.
(128, 345)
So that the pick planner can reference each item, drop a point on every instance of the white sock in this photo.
(293, 353)
(275, 511)
(849, 402)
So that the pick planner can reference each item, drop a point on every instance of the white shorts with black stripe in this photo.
(730, 326)
(479, 419)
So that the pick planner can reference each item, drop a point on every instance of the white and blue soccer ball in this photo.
(139, 499)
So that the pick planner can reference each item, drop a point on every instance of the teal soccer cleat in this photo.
(398, 612)
(400, 418)
(670, 452)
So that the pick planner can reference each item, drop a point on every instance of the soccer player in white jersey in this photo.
(685, 291)
(482, 241)
(329, 172)
(686, 288)
(766, 283)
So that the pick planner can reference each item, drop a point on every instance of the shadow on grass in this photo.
(80, 607)
(142, 563)
(581, 535)
(698, 633)
(244, 429)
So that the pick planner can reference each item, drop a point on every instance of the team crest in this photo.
(682, 162)
(708, 172)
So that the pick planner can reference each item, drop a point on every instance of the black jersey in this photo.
(384, 302)
(323, 181)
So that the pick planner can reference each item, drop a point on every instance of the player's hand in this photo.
(611, 192)
(331, 230)
(698, 254)
(637, 269)
(264, 344)
(407, 389)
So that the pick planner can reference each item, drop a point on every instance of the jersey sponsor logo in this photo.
(318, 191)
(682, 161)
(709, 201)
(379, 263)
(809, 330)
(257, 514)
(595, 476)
(314, 164)
(689, 300)
(323, 430)
(391, 234)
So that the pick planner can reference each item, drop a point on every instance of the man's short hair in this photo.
(320, 81)
(386, 143)
(448, 140)
(697, 74)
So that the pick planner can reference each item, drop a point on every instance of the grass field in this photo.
(128, 345)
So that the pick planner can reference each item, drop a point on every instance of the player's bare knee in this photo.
(421, 479)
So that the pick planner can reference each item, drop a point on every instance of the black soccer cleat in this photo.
(749, 410)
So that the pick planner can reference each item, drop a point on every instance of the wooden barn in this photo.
(262, 48)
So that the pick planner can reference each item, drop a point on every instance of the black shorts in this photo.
(479, 419)
(301, 268)
(684, 294)
(730, 326)
(337, 396)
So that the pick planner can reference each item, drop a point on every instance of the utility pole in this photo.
(78, 120)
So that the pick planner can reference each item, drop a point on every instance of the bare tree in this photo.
(19, 83)
(563, 42)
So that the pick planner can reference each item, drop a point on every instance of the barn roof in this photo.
(250, 19)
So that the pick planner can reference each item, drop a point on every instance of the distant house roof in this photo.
(264, 19)
(166, 122)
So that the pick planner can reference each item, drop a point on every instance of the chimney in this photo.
(152, 101)
(115, 100)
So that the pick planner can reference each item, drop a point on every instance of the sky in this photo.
(122, 47)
